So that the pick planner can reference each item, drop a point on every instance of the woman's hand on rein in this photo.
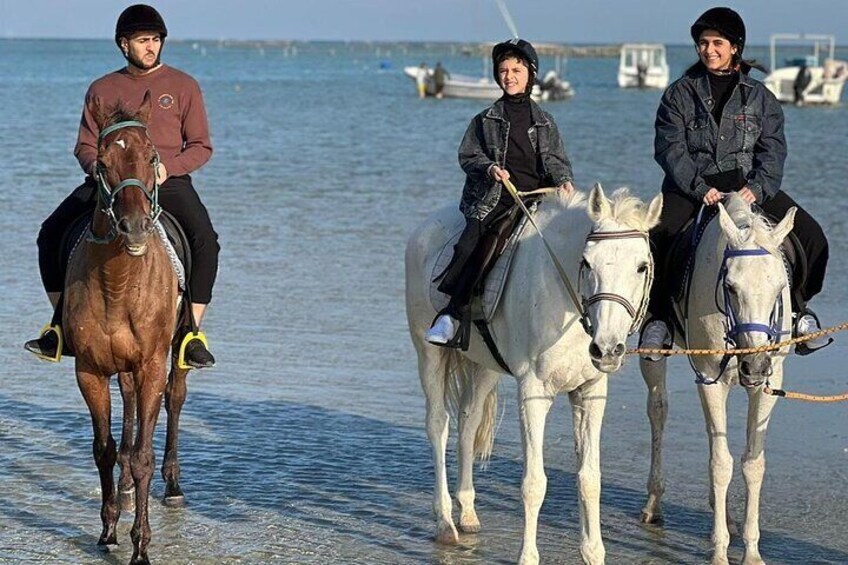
(498, 173)
(566, 188)
(747, 195)
(713, 197)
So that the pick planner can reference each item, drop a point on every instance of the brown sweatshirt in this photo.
(178, 126)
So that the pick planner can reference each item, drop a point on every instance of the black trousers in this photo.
(473, 253)
(176, 195)
(678, 209)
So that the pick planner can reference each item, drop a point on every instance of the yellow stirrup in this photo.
(58, 329)
(187, 338)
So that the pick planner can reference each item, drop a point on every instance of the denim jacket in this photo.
(689, 144)
(486, 143)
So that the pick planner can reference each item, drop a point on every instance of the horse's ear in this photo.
(599, 206)
(782, 229)
(145, 108)
(654, 211)
(728, 226)
(98, 112)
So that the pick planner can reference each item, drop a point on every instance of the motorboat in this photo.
(549, 87)
(643, 65)
(809, 79)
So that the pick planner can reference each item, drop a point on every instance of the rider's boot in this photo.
(806, 324)
(49, 344)
(194, 352)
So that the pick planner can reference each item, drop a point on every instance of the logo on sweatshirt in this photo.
(166, 101)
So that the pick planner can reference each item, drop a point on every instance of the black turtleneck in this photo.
(721, 87)
(521, 160)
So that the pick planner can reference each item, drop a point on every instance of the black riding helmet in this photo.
(521, 48)
(726, 22)
(139, 17)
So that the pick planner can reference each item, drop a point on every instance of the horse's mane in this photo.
(625, 209)
(119, 113)
(753, 226)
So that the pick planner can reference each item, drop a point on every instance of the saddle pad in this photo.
(495, 281)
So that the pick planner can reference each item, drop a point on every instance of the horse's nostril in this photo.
(595, 351)
(146, 224)
(124, 225)
(619, 350)
(745, 367)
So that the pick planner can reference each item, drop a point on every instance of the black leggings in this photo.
(472, 255)
(176, 195)
(678, 209)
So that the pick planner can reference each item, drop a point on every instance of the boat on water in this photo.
(642, 65)
(483, 88)
(809, 79)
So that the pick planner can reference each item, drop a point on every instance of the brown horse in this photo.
(120, 314)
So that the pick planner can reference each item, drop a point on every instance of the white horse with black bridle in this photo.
(738, 298)
(540, 334)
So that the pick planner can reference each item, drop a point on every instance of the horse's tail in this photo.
(460, 376)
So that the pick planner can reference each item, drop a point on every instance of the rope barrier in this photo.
(741, 351)
(766, 388)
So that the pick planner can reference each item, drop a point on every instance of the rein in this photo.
(108, 194)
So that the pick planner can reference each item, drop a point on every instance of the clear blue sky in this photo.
(568, 21)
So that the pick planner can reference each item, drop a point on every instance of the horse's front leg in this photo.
(432, 371)
(150, 383)
(714, 404)
(760, 407)
(653, 373)
(477, 408)
(95, 390)
(588, 405)
(175, 395)
(126, 488)
(534, 402)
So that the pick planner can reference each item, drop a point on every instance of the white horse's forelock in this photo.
(754, 227)
(625, 209)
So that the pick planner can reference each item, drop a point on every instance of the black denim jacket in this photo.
(689, 144)
(485, 144)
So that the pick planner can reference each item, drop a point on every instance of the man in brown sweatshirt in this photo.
(180, 132)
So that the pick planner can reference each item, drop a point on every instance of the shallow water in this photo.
(306, 444)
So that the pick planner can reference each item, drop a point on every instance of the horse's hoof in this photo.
(469, 528)
(127, 500)
(108, 541)
(140, 561)
(446, 534)
(175, 501)
(468, 522)
(651, 518)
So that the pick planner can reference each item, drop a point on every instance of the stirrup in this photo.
(189, 336)
(57, 329)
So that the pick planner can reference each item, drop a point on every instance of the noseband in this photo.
(733, 327)
(109, 194)
(638, 314)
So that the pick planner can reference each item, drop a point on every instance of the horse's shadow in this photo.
(360, 478)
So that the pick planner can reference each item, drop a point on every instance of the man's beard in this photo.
(140, 64)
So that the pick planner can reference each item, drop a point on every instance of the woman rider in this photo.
(512, 139)
(718, 130)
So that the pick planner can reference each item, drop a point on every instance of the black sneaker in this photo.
(197, 355)
(47, 346)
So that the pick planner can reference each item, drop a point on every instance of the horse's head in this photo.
(616, 272)
(751, 283)
(126, 176)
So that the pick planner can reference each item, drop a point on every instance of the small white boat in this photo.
(807, 79)
(483, 88)
(643, 65)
